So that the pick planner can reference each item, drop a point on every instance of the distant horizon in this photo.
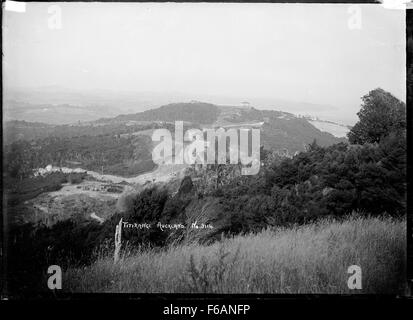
(57, 86)
(202, 97)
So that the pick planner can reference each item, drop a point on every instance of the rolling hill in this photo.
(194, 112)
(279, 130)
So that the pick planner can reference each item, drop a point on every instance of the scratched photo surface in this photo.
(203, 148)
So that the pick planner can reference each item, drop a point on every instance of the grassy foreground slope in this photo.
(312, 258)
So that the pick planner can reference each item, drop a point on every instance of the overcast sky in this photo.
(294, 52)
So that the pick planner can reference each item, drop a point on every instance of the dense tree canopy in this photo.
(129, 155)
(380, 114)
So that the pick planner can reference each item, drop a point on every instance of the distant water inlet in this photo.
(208, 146)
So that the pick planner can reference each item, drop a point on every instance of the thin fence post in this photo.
(118, 240)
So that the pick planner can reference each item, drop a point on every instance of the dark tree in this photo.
(381, 113)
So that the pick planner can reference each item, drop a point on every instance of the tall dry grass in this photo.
(305, 259)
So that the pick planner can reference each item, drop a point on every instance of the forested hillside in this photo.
(109, 153)
(23, 130)
(97, 145)
(197, 112)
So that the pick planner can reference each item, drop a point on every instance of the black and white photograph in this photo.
(204, 148)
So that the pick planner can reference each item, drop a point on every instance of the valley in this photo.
(115, 153)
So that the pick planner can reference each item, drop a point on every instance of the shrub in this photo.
(75, 178)
(125, 201)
